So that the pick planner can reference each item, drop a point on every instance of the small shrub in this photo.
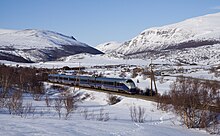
(27, 109)
(85, 114)
(112, 99)
(86, 96)
(14, 103)
(137, 114)
(90, 115)
(102, 116)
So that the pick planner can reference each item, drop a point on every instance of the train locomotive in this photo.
(104, 83)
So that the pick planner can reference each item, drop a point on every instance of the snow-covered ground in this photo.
(45, 122)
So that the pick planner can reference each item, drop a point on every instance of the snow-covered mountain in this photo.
(33, 45)
(108, 47)
(197, 37)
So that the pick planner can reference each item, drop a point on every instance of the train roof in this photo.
(68, 76)
(111, 79)
(88, 77)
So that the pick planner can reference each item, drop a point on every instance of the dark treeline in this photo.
(23, 79)
(15, 82)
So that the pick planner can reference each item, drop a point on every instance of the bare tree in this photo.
(58, 106)
(69, 105)
(90, 115)
(6, 79)
(37, 91)
(137, 114)
(48, 101)
(14, 103)
(27, 109)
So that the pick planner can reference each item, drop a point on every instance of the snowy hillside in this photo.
(108, 47)
(191, 33)
(32, 45)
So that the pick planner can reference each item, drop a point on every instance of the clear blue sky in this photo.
(98, 21)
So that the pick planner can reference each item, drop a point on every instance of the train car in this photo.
(111, 84)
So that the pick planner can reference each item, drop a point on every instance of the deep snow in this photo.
(157, 122)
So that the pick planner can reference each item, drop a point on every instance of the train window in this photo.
(92, 81)
(130, 84)
(83, 80)
(109, 83)
(72, 79)
(118, 84)
(98, 82)
(52, 77)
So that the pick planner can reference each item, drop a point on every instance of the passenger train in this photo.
(111, 84)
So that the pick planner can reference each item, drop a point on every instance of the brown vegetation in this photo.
(112, 99)
(14, 81)
(195, 101)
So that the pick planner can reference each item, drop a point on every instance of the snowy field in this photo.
(45, 121)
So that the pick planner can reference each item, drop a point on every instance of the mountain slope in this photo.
(32, 45)
(108, 47)
(198, 33)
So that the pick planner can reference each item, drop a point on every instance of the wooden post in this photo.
(155, 86)
(151, 78)
(78, 75)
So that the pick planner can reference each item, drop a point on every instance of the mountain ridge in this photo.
(39, 45)
(189, 34)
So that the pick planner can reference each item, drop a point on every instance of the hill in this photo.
(33, 45)
(195, 40)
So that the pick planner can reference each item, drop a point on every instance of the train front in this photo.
(131, 86)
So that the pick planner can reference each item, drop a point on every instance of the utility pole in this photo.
(79, 75)
(152, 79)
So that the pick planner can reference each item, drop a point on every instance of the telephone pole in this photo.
(152, 79)
(79, 75)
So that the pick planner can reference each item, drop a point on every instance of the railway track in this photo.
(138, 96)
